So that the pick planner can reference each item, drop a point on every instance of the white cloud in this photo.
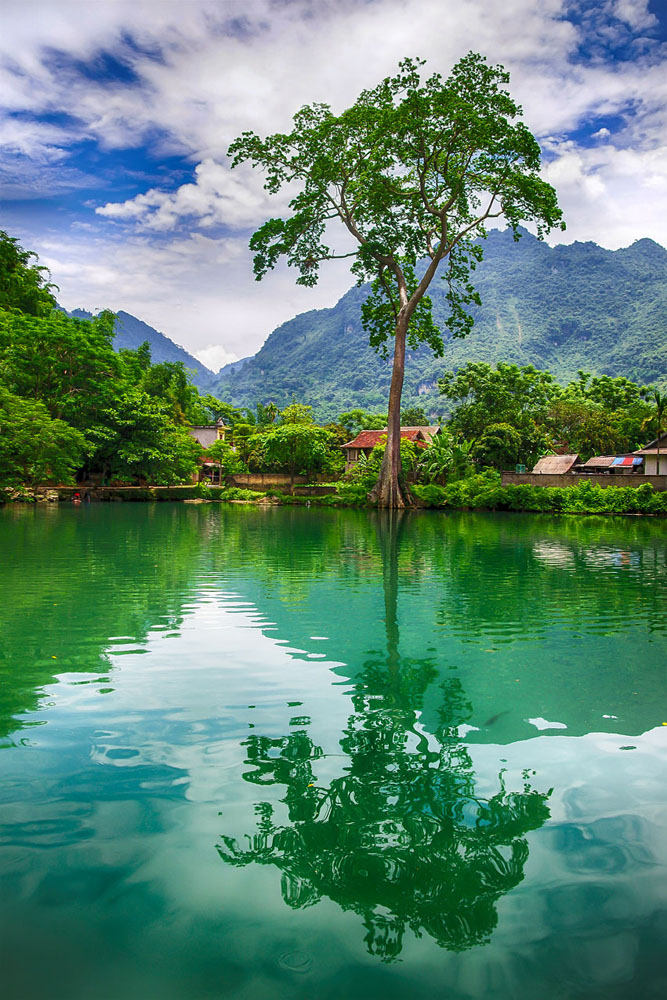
(196, 290)
(610, 195)
(216, 357)
(635, 14)
(235, 200)
(201, 79)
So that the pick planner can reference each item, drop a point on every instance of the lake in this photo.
(262, 752)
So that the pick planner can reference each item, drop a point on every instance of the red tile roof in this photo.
(368, 439)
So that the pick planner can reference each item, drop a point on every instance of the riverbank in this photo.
(481, 492)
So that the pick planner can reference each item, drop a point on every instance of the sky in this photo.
(116, 117)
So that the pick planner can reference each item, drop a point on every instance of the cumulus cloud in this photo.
(235, 200)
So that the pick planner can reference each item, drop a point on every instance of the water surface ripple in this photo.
(259, 753)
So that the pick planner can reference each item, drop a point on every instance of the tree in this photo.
(414, 416)
(217, 410)
(241, 437)
(296, 448)
(225, 456)
(438, 458)
(413, 171)
(499, 446)
(23, 286)
(136, 438)
(297, 413)
(358, 420)
(68, 364)
(35, 448)
(266, 414)
(501, 394)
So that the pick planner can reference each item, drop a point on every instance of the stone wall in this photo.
(573, 479)
(272, 480)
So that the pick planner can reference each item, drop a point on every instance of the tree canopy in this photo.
(71, 405)
(24, 286)
(510, 413)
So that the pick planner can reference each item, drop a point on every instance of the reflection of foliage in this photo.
(80, 576)
(402, 838)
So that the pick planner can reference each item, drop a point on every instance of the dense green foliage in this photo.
(485, 492)
(294, 444)
(33, 446)
(23, 285)
(512, 414)
(71, 404)
(560, 308)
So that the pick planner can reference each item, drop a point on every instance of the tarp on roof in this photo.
(630, 460)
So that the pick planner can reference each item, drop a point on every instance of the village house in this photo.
(206, 435)
(655, 456)
(612, 465)
(365, 441)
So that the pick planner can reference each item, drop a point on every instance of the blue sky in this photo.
(116, 117)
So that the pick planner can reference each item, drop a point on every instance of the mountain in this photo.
(131, 332)
(234, 366)
(560, 308)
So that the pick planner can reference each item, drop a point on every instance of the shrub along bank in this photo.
(485, 492)
(479, 492)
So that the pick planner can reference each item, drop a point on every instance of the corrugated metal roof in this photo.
(555, 464)
(600, 462)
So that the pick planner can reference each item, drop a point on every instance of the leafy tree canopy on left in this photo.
(70, 404)
(24, 286)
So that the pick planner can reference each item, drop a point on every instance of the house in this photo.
(612, 465)
(206, 434)
(365, 441)
(555, 465)
(655, 456)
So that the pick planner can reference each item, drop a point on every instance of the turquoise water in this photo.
(264, 753)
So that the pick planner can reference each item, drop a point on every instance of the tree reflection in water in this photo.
(401, 838)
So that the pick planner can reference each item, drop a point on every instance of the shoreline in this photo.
(474, 495)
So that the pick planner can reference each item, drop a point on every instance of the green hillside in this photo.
(561, 308)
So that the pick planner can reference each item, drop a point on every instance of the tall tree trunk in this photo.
(389, 490)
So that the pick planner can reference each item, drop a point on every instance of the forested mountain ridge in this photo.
(130, 333)
(560, 308)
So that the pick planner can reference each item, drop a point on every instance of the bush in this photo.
(485, 492)
(430, 495)
(235, 493)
